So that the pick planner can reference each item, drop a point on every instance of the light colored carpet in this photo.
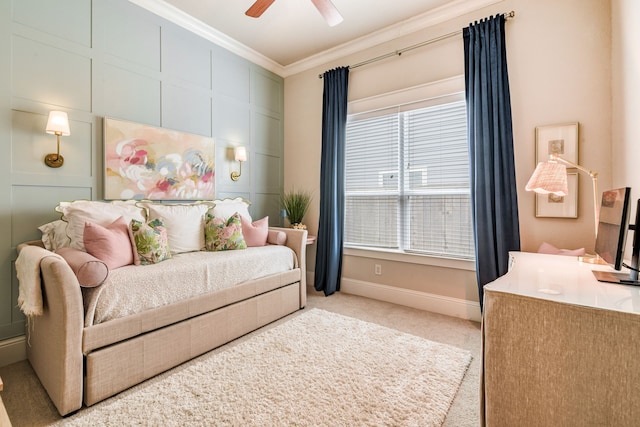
(319, 368)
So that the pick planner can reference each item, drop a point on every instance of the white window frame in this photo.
(423, 93)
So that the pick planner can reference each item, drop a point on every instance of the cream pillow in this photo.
(54, 235)
(79, 212)
(226, 208)
(184, 224)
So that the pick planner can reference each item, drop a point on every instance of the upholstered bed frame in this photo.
(78, 364)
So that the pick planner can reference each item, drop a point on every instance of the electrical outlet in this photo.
(377, 269)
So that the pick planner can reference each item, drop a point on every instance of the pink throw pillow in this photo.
(255, 234)
(89, 270)
(110, 244)
(277, 237)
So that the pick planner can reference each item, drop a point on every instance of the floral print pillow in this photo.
(223, 235)
(151, 241)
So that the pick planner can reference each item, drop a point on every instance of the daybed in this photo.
(85, 349)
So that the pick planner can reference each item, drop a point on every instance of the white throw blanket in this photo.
(28, 272)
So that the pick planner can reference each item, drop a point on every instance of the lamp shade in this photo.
(241, 154)
(58, 123)
(549, 177)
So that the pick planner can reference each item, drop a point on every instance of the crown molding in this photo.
(417, 23)
(178, 17)
(433, 17)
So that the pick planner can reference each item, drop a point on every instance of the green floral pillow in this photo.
(151, 241)
(223, 235)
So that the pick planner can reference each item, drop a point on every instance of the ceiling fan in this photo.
(325, 7)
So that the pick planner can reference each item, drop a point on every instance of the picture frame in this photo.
(559, 139)
(153, 163)
(551, 206)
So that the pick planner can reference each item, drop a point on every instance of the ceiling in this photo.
(292, 36)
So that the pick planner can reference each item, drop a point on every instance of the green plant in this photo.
(296, 204)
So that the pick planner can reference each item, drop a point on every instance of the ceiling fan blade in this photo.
(258, 8)
(328, 12)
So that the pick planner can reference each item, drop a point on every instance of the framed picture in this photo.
(147, 162)
(552, 206)
(557, 139)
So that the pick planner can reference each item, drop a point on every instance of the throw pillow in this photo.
(98, 212)
(222, 235)
(255, 234)
(54, 235)
(184, 224)
(111, 244)
(277, 237)
(227, 207)
(89, 270)
(151, 240)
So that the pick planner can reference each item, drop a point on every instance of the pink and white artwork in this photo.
(147, 162)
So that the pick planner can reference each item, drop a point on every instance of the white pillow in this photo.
(77, 213)
(54, 235)
(226, 208)
(184, 224)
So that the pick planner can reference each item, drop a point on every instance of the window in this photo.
(407, 179)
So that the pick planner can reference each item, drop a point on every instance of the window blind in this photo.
(407, 179)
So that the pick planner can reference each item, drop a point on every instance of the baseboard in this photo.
(455, 307)
(13, 350)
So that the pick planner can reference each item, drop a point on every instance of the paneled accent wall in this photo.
(111, 58)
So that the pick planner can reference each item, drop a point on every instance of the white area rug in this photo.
(317, 369)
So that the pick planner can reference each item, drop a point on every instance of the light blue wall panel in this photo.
(231, 75)
(268, 93)
(267, 173)
(268, 134)
(186, 110)
(30, 144)
(267, 205)
(126, 31)
(186, 57)
(50, 75)
(130, 96)
(231, 120)
(34, 206)
(97, 58)
(68, 19)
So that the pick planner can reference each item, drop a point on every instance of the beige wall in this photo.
(559, 67)
(625, 137)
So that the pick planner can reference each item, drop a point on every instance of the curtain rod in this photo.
(399, 52)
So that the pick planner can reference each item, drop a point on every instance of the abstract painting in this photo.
(147, 162)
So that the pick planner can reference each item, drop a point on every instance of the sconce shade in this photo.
(549, 177)
(241, 154)
(58, 123)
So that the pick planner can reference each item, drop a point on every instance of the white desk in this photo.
(559, 347)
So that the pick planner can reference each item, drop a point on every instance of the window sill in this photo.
(458, 264)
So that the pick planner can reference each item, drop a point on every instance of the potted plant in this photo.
(296, 203)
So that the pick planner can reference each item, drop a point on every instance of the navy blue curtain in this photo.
(494, 201)
(331, 223)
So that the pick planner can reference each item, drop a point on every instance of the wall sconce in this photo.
(57, 124)
(241, 156)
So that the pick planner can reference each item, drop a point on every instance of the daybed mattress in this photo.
(134, 289)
